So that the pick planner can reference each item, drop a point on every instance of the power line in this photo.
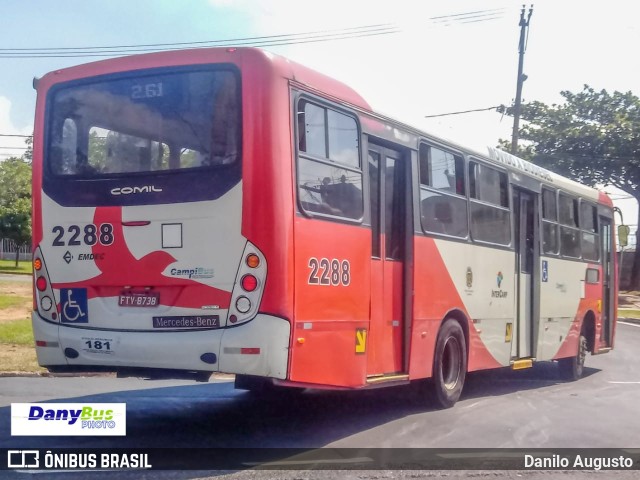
(267, 42)
(259, 41)
(464, 111)
(476, 13)
(14, 135)
(240, 39)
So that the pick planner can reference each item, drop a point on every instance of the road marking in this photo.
(635, 383)
(630, 324)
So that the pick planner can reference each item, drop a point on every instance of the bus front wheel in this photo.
(572, 368)
(449, 365)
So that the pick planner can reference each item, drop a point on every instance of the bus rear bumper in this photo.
(259, 347)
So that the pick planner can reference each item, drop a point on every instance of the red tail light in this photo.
(249, 283)
(41, 284)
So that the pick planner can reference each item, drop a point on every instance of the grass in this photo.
(628, 313)
(17, 352)
(7, 301)
(9, 266)
(19, 358)
(18, 332)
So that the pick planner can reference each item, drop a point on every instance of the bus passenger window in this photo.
(549, 237)
(312, 133)
(589, 226)
(569, 233)
(329, 190)
(443, 208)
(329, 174)
(490, 214)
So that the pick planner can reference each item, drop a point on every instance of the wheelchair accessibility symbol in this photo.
(74, 305)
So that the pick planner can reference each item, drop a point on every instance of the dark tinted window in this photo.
(490, 224)
(326, 133)
(569, 242)
(549, 211)
(441, 170)
(588, 217)
(442, 208)
(329, 175)
(568, 210)
(145, 123)
(329, 189)
(550, 242)
(488, 184)
(490, 221)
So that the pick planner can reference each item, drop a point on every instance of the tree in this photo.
(593, 137)
(15, 202)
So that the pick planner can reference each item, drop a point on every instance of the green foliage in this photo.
(9, 266)
(593, 137)
(15, 200)
(16, 332)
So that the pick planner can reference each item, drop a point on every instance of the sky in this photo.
(444, 56)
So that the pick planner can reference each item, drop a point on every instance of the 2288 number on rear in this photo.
(329, 272)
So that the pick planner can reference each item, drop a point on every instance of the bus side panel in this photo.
(561, 295)
(267, 219)
(440, 283)
(331, 308)
(590, 302)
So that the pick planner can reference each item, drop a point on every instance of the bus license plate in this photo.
(139, 299)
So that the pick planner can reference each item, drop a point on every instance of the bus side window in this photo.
(550, 243)
(443, 207)
(569, 233)
(490, 214)
(329, 173)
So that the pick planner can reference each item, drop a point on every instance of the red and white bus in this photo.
(227, 210)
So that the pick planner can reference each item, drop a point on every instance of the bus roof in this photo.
(315, 82)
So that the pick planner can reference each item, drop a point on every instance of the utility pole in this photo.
(524, 26)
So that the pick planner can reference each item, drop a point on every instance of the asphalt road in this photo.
(501, 409)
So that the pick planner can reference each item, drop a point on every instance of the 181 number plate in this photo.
(139, 299)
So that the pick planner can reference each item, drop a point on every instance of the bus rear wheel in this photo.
(572, 368)
(449, 365)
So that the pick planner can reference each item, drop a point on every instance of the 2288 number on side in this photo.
(329, 272)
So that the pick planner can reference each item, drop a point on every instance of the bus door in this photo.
(527, 258)
(388, 196)
(608, 280)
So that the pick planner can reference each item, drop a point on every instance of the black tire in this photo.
(572, 368)
(449, 365)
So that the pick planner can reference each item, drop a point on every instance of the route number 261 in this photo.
(329, 272)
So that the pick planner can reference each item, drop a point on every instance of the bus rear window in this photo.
(151, 122)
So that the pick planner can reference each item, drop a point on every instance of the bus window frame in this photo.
(554, 190)
(596, 233)
(297, 97)
(576, 206)
(509, 208)
(420, 187)
(83, 138)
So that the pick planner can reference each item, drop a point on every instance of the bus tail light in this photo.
(248, 287)
(44, 298)
(249, 283)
